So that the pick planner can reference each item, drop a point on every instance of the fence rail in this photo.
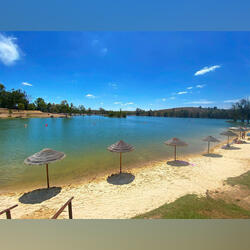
(69, 204)
(7, 211)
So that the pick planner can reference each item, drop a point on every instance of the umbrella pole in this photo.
(175, 152)
(120, 162)
(47, 173)
(208, 147)
(228, 140)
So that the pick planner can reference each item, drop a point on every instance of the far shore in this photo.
(153, 186)
(15, 113)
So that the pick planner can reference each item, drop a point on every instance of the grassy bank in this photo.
(192, 207)
(243, 179)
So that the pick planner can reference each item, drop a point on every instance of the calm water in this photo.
(85, 139)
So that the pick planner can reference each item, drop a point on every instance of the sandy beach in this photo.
(153, 186)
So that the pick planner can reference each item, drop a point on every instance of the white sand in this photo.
(153, 186)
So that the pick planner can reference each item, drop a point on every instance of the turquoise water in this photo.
(84, 139)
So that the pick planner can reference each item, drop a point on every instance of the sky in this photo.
(128, 70)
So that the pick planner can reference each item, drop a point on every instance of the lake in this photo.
(84, 139)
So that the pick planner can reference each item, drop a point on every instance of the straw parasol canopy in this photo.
(44, 157)
(120, 147)
(238, 129)
(175, 142)
(209, 139)
(228, 133)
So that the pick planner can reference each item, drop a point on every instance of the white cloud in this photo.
(172, 98)
(206, 70)
(123, 104)
(26, 84)
(231, 101)
(90, 96)
(163, 99)
(200, 86)
(189, 87)
(9, 50)
(182, 93)
(200, 102)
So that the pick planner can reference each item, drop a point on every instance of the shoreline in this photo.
(134, 168)
(152, 187)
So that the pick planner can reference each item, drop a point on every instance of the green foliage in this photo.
(241, 110)
(40, 104)
(18, 99)
(11, 99)
(192, 207)
(192, 112)
(20, 106)
(117, 114)
(243, 179)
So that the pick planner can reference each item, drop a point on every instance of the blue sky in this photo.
(113, 70)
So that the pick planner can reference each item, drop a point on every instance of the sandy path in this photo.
(152, 187)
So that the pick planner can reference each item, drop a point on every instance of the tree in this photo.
(20, 106)
(81, 109)
(41, 104)
(31, 106)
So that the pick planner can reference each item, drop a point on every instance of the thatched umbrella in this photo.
(120, 147)
(209, 139)
(175, 142)
(228, 133)
(238, 129)
(45, 157)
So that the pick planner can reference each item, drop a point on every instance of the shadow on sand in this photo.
(213, 155)
(178, 163)
(120, 179)
(39, 195)
(230, 147)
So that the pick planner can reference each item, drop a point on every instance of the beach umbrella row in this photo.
(47, 155)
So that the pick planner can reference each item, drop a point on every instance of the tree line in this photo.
(18, 99)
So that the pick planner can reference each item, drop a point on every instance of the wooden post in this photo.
(175, 152)
(8, 215)
(208, 147)
(120, 162)
(228, 140)
(47, 172)
(70, 210)
(7, 212)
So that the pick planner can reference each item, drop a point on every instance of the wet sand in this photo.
(151, 187)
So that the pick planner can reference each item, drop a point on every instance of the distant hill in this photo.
(192, 112)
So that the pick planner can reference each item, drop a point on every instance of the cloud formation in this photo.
(231, 101)
(90, 96)
(182, 93)
(123, 104)
(201, 102)
(206, 70)
(9, 50)
(200, 86)
(27, 84)
(189, 87)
